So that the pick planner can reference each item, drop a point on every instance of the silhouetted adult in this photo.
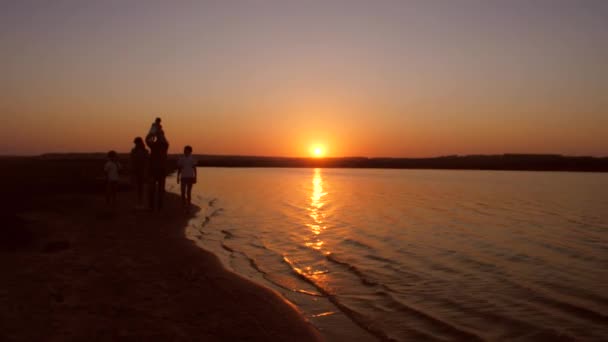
(158, 169)
(139, 164)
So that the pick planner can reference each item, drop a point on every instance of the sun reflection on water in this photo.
(315, 211)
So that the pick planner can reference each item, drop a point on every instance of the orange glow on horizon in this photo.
(251, 83)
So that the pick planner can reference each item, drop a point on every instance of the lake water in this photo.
(417, 254)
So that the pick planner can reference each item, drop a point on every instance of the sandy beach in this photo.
(77, 270)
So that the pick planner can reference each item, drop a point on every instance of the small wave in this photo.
(522, 258)
(564, 250)
(310, 293)
(379, 258)
(227, 234)
(253, 263)
(216, 212)
(546, 299)
(255, 245)
(356, 243)
(268, 277)
(478, 264)
(229, 249)
(368, 324)
(328, 313)
(549, 335)
(511, 326)
(358, 318)
(575, 292)
(364, 279)
(573, 309)
(435, 324)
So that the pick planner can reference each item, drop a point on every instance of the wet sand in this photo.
(75, 270)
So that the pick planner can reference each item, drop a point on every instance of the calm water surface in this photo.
(418, 254)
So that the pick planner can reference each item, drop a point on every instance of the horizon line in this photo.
(321, 158)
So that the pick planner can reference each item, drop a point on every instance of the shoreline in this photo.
(76, 270)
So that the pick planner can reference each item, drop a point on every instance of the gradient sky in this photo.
(363, 78)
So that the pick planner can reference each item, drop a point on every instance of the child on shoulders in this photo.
(155, 129)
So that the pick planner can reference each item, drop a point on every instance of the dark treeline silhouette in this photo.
(519, 162)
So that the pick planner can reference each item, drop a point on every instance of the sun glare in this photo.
(317, 151)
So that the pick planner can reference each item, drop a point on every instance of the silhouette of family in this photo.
(149, 170)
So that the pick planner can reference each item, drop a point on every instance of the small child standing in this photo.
(155, 128)
(156, 132)
(186, 172)
(111, 168)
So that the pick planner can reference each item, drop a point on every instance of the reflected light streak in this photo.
(316, 203)
(317, 226)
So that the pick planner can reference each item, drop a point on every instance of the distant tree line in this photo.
(521, 162)
(532, 162)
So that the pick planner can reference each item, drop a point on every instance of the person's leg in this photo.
(108, 192)
(189, 194)
(161, 191)
(139, 189)
(183, 192)
(113, 190)
(151, 191)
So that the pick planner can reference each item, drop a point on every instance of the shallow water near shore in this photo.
(417, 254)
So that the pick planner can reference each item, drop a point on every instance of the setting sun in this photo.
(317, 151)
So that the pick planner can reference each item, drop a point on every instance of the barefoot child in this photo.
(186, 172)
(111, 168)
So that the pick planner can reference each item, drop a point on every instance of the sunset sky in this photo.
(359, 78)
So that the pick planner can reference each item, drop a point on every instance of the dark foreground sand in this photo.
(74, 270)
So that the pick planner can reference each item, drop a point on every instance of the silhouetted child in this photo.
(155, 128)
(156, 132)
(111, 168)
(186, 172)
